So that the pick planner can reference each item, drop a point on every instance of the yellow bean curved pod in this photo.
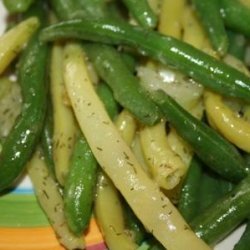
(51, 201)
(166, 166)
(115, 157)
(126, 125)
(109, 215)
(170, 17)
(179, 146)
(64, 131)
(232, 127)
(12, 42)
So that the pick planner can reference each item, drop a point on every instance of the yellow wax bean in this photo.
(109, 214)
(170, 17)
(51, 201)
(64, 121)
(166, 166)
(150, 205)
(12, 42)
(234, 128)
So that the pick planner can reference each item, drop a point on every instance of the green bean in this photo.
(106, 95)
(209, 191)
(188, 202)
(212, 188)
(130, 61)
(225, 215)
(246, 157)
(237, 45)
(225, 187)
(80, 187)
(94, 8)
(125, 86)
(207, 70)
(244, 241)
(209, 13)
(142, 12)
(210, 147)
(16, 6)
(39, 9)
(236, 16)
(21, 141)
(116, 11)
(66, 9)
